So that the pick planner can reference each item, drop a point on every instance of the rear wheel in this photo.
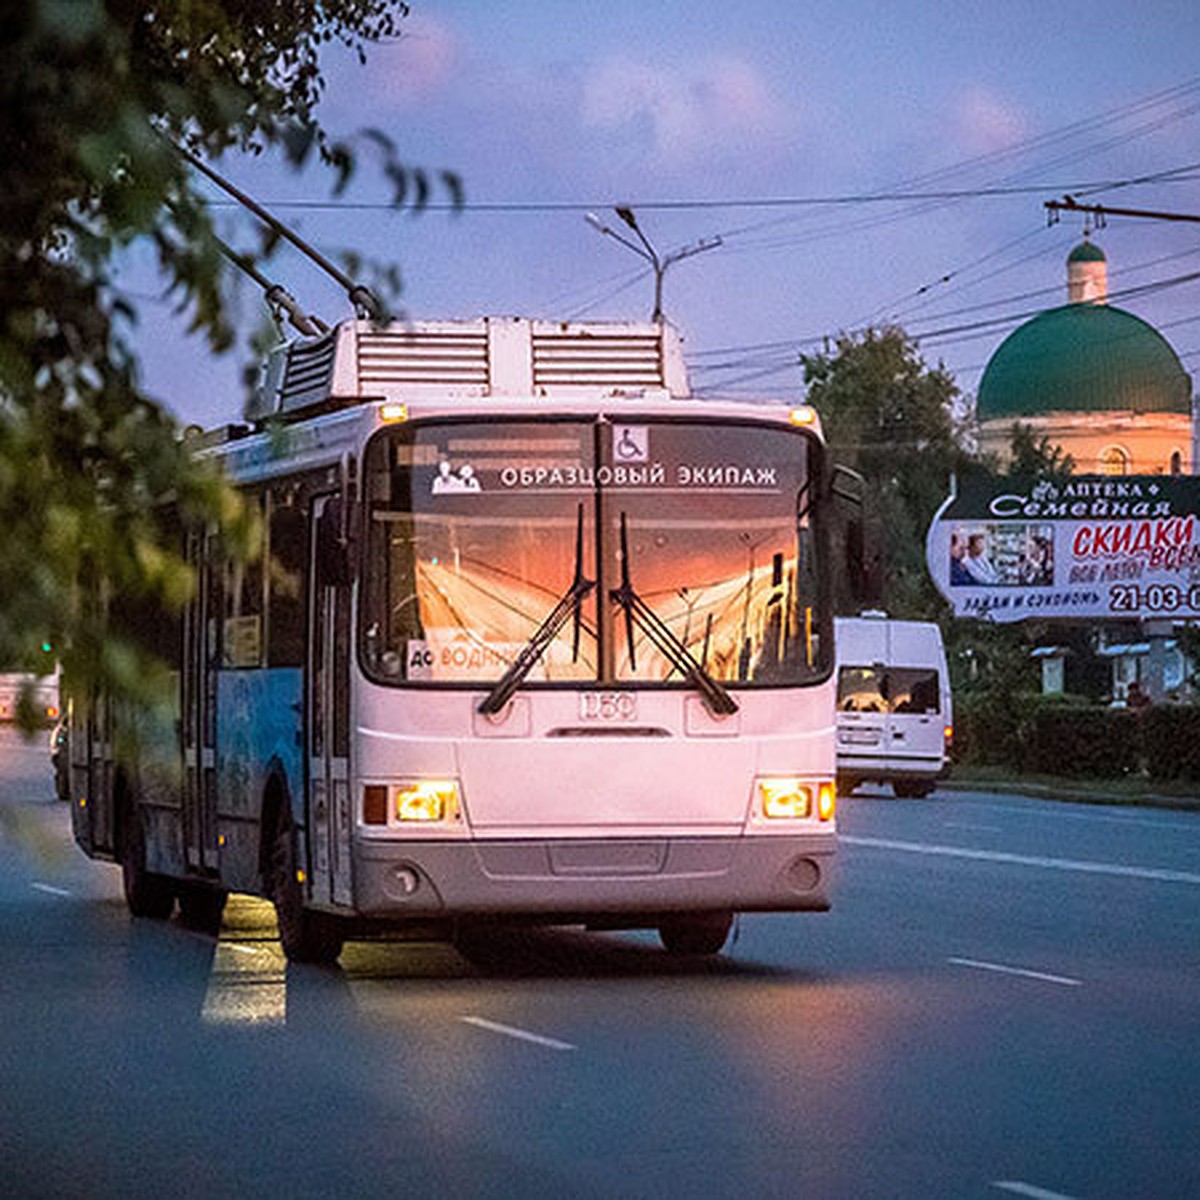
(306, 936)
(695, 933)
(201, 906)
(911, 789)
(146, 894)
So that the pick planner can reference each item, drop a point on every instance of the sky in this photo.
(860, 163)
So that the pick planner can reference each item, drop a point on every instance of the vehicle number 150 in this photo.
(607, 706)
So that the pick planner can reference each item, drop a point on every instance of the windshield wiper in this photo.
(571, 605)
(716, 699)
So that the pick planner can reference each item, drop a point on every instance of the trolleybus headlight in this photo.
(430, 800)
(787, 798)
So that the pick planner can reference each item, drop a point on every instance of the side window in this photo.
(286, 566)
(243, 632)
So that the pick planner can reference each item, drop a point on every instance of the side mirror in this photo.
(848, 488)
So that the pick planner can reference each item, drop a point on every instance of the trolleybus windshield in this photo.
(676, 553)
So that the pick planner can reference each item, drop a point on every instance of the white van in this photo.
(894, 713)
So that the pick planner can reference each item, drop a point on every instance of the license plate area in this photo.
(608, 708)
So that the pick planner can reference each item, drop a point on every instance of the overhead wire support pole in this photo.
(1070, 204)
(658, 264)
(361, 296)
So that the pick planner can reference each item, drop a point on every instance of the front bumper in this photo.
(566, 879)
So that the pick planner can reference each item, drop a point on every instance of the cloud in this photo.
(683, 115)
(986, 123)
(418, 64)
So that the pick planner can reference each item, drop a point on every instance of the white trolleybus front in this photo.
(540, 637)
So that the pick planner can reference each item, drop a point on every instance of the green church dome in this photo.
(1083, 358)
(1086, 252)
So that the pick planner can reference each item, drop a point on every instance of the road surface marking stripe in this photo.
(50, 889)
(1000, 969)
(1026, 860)
(521, 1034)
(1027, 1189)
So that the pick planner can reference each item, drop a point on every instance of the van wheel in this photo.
(201, 906)
(146, 894)
(306, 936)
(911, 789)
(695, 933)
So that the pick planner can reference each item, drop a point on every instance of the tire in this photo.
(306, 936)
(695, 933)
(146, 895)
(911, 789)
(201, 906)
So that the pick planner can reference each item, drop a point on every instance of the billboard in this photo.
(1085, 546)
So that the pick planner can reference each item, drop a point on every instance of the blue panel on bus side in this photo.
(260, 728)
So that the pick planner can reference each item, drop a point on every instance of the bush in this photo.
(1104, 743)
(987, 729)
(1171, 741)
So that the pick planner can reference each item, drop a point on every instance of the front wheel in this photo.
(146, 894)
(695, 933)
(306, 936)
(201, 907)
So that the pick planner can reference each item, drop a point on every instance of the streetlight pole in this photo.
(658, 264)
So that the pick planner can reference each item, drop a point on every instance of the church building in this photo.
(1101, 383)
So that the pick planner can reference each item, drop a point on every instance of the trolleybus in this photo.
(535, 635)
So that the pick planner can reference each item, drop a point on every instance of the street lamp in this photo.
(658, 264)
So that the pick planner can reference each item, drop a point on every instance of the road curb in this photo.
(1072, 792)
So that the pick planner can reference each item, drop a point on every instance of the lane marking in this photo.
(522, 1035)
(1027, 1189)
(50, 889)
(1001, 969)
(1160, 874)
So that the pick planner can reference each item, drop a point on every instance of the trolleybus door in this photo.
(201, 648)
(328, 733)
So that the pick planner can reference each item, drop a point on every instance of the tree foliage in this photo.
(891, 417)
(94, 97)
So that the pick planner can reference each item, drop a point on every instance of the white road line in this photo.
(1001, 969)
(50, 889)
(521, 1034)
(1027, 1189)
(1160, 874)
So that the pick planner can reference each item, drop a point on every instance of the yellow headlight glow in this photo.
(430, 800)
(785, 798)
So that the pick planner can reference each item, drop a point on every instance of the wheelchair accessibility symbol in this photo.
(631, 443)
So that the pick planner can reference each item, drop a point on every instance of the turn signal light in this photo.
(826, 801)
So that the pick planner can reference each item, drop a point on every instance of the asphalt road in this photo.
(1005, 1000)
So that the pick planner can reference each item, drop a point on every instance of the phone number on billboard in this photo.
(1154, 597)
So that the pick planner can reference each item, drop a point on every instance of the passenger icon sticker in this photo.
(631, 444)
(447, 480)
